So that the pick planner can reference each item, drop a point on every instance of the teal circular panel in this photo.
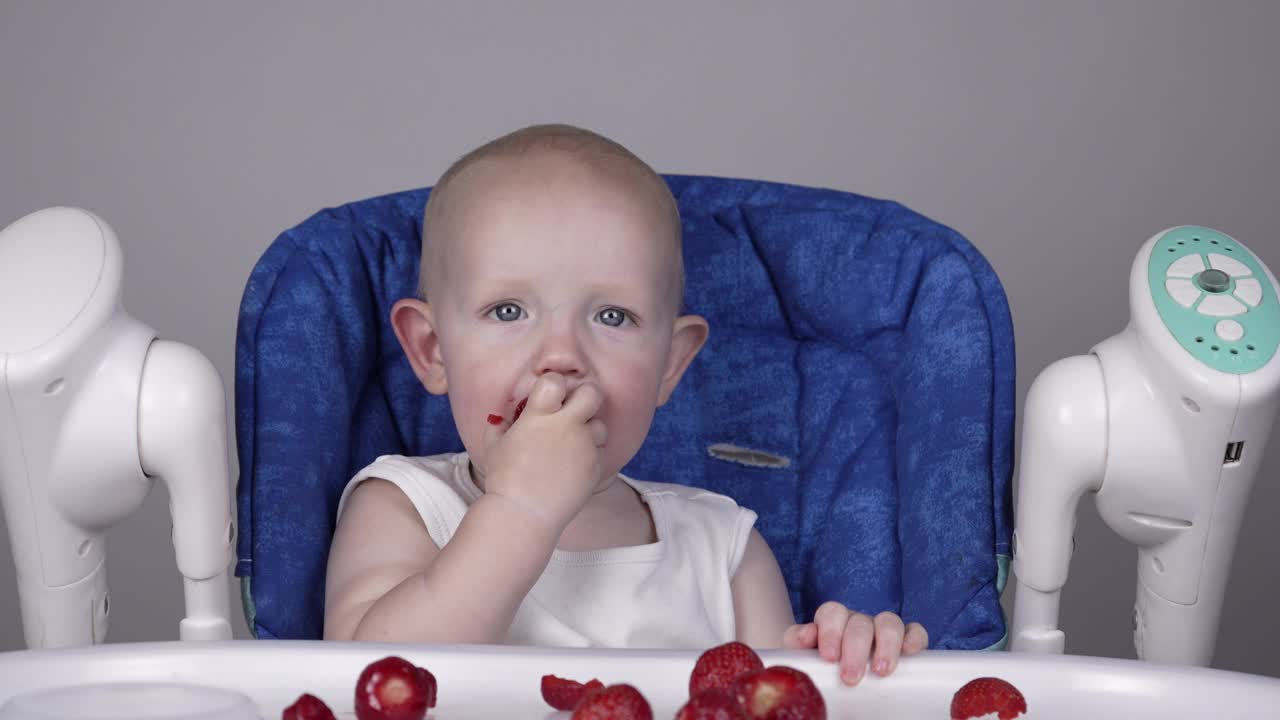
(1194, 330)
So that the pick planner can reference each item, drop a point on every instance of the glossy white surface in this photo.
(131, 701)
(500, 682)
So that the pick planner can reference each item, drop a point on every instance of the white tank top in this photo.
(673, 593)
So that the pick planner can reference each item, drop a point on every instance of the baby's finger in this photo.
(584, 402)
(917, 639)
(830, 618)
(888, 645)
(800, 637)
(859, 633)
(599, 433)
(547, 394)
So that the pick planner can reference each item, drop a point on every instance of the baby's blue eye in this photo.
(506, 312)
(613, 317)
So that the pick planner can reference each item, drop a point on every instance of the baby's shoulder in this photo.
(432, 479)
(695, 517)
(438, 487)
(438, 466)
(683, 494)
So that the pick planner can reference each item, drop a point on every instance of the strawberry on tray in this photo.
(987, 696)
(564, 694)
(394, 689)
(615, 702)
(717, 667)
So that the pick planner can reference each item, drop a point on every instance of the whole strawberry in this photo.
(987, 695)
(307, 707)
(429, 681)
(563, 694)
(615, 702)
(717, 667)
(394, 689)
(712, 705)
(779, 693)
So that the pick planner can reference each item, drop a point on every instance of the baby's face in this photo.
(544, 265)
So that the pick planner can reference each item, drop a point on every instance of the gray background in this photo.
(1056, 136)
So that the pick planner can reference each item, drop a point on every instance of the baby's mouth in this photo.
(497, 419)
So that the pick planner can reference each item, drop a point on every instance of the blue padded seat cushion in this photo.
(865, 347)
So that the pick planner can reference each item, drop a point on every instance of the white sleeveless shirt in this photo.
(673, 593)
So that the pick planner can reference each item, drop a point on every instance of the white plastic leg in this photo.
(1035, 621)
(1064, 446)
(207, 609)
(182, 439)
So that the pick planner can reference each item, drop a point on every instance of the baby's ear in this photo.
(687, 337)
(414, 324)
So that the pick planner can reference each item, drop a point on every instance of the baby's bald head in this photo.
(554, 150)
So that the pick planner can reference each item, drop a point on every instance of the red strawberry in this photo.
(986, 695)
(717, 667)
(430, 681)
(307, 707)
(563, 694)
(616, 702)
(712, 705)
(779, 693)
(519, 409)
(394, 689)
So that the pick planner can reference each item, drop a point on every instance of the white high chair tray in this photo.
(503, 682)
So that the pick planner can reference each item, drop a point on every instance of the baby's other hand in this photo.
(857, 640)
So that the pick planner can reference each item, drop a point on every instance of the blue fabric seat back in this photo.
(856, 391)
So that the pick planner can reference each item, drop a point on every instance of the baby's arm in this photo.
(761, 606)
(387, 580)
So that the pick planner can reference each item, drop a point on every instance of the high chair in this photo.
(856, 390)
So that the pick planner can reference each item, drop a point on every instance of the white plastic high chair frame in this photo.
(94, 408)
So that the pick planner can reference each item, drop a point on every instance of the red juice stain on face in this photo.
(494, 419)
(519, 409)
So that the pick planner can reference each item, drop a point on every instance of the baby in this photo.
(552, 282)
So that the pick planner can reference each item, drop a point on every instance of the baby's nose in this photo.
(561, 352)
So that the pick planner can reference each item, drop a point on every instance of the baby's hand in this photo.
(855, 640)
(549, 461)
